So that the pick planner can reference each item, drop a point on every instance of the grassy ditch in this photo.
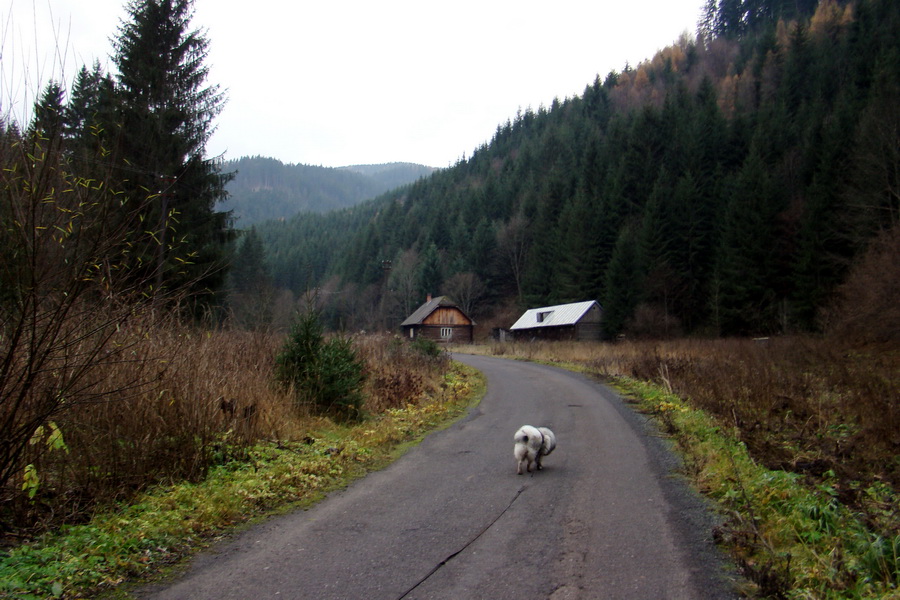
(790, 540)
(796, 440)
(158, 527)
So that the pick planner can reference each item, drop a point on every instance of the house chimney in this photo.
(428, 298)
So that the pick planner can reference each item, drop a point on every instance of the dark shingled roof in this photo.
(426, 309)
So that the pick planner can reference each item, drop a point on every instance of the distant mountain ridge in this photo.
(265, 188)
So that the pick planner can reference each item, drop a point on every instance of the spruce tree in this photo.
(623, 277)
(579, 245)
(482, 250)
(252, 291)
(83, 103)
(165, 111)
(746, 259)
(658, 245)
(430, 278)
(48, 113)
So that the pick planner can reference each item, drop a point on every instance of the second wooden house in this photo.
(577, 321)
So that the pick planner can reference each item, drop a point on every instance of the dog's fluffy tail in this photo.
(527, 435)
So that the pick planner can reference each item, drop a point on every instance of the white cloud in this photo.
(355, 81)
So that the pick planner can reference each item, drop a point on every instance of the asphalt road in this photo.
(605, 519)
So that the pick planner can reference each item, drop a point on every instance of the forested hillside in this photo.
(725, 186)
(265, 188)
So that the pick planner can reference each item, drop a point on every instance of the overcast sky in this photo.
(342, 82)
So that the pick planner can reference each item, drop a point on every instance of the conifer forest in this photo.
(725, 186)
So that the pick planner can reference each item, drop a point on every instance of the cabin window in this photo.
(446, 333)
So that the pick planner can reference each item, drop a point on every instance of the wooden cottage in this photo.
(441, 320)
(577, 321)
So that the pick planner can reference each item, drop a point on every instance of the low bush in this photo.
(399, 372)
(325, 374)
(426, 347)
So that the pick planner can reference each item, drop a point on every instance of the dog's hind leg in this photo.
(524, 463)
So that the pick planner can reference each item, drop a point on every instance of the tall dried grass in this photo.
(159, 419)
(800, 404)
(397, 373)
(204, 398)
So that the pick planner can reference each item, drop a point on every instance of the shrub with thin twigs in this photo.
(181, 398)
(68, 300)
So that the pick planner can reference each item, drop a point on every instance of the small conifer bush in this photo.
(325, 374)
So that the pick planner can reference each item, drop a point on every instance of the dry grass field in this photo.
(795, 439)
(803, 405)
(184, 401)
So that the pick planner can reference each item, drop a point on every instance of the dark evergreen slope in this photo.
(265, 188)
(723, 187)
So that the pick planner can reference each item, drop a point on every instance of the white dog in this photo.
(532, 444)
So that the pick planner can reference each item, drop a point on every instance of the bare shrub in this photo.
(866, 309)
(66, 293)
(398, 373)
(467, 289)
(651, 321)
(206, 395)
(89, 403)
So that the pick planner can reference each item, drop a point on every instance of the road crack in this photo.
(466, 545)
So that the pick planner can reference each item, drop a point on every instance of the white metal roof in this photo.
(553, 316)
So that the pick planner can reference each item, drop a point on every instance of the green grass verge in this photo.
(165, 524)
(790, 540)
